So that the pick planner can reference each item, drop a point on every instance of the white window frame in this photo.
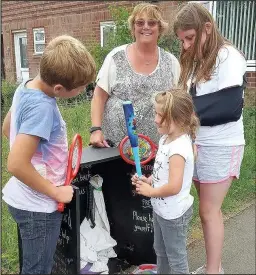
(42, 42)
(102, 26)
(211, 5)
(251, 64)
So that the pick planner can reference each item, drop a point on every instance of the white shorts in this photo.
(215, 164)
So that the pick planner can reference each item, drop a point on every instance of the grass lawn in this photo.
(78, 120)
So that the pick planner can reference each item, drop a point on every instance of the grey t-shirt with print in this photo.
(122, 83)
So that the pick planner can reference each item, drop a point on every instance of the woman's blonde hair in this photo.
(194, 16)
(66, 61)
(177, 106)
(152, 11)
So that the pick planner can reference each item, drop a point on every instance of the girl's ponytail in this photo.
(194, 124)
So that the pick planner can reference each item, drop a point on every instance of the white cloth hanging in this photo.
(96, 244)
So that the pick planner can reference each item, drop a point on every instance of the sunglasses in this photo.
(151, 23)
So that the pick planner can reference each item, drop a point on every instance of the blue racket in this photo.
(132, 134)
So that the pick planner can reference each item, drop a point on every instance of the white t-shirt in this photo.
(173, 207)
(122, 83)
(229, 71)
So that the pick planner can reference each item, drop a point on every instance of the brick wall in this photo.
(80, 19)
(251, 79)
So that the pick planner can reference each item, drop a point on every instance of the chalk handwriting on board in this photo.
(69, 260)
(86, 166)
(67, 219)
(137, 217)
(85, 177)
(146, 203)
(82, 177)
(146, 228)
(130, 247)
(82, 190)
(64, 236)
(147, 167)
(142, 222)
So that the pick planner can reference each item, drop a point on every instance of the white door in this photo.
(21, 59)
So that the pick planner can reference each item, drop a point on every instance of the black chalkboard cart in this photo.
(130, 215)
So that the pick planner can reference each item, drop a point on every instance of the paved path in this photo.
(239, 245)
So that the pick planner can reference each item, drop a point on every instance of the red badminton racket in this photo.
(147, 149)
(74, 160)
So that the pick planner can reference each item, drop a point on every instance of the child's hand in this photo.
(143, 188)
(64, 194)
(135, 179)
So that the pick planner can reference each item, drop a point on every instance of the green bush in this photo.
(171, 44)
(119, 37)
(86, 95)
(8, 90)
(7, 93)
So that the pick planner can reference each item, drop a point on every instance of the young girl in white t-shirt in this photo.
(169, 185)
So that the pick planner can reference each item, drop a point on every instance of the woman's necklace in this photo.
(146, 62)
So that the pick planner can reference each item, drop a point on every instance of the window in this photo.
(106, 28)
(207, 4)
(236, 21)
(23, 52)
(39, 40)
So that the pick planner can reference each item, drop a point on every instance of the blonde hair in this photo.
(194, 16)
(66, 61)
(152, 11)
(177, 106)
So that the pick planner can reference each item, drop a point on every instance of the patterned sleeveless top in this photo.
(138, 88)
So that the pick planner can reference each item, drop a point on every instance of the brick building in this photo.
(28, 25)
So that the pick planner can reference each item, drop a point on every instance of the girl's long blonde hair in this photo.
(177, 106)
(194, 16)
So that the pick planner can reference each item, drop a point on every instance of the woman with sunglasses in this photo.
(213, 71)
(133, 72)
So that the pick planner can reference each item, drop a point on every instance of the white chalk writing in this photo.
(146, 203)
(85, 177)
(82, 191)
(64, 237)
(130, 247)
(67, 219)
(82, 177)
(147, 167)
(143, 222)
(146, 228)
